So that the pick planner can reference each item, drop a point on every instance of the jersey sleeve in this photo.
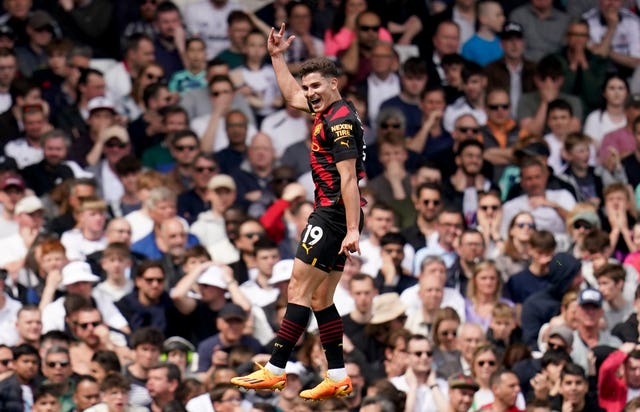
(342, 135)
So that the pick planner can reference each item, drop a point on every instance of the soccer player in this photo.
(333, 230)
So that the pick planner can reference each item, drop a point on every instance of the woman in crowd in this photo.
(488, 219)
(514, 256)
(443, 335)
(132, 105)
(612, 114)
(483, 292)
(485, 362)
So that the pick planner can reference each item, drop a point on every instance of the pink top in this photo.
(335, 43)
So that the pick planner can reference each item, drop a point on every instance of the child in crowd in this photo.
(503, 330)
(559, 114)
(611, 278)
(633, 258)
(484, 46)
(255, 79)
(115, 262)
(193, 76)
(585, 179)
(542, 246)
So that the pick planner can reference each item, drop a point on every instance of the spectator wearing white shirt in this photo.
(473, 102)
(88, 237)
(29, 213)
(548, 207)
(379, 222)
(139, 52)
(8, 313)
(208, 20)
(383, 83)
(209, 227)
(289, 124)
(113, 144)
(27, 150)
(77, 278)
(614, 32)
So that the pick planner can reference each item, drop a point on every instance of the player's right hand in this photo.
(277, 44)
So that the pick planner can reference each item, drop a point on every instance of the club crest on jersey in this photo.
(317, 129)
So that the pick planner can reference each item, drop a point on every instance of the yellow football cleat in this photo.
(328, 389)
(261, 379)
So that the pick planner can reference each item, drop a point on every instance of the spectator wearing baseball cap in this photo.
(231, 322)
(221, 194)
(77, 278)
(29, 215)
(462, 388)
(12, 188)
(588, 334)
(40, 30)
(112, 145)
(213, 283)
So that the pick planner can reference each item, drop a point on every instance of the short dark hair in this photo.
(613, 271)
(147, 335)
(25, 350)
(238, 15)
(549, 66)
(148, 264)
(197, 251)
(471, 69)
(573, 370)
(496, 377)
(468, 143)
(127, 165)
(559, 104)
(47, 389)
(264, 243)
(555, 357)
(219, 78)
(173, 109)
(596, 241)
(393, 238)
(55, 335)
(542, 240)
(173, 373)
(151, 91)
(322, 65)
(166, 7)
(108, 360)
(429, 186)
(85, 378)
(414, 66)
(179, 135)
(20, 87)
(132, 42)
(115, 380)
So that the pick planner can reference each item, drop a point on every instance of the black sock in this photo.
(331, 331)
(293, 326)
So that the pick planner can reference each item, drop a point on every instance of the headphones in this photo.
(165, 356)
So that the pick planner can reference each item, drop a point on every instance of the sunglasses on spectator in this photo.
(5, 362)
(114, 144)
(152, 76)
(182, 148)
(504, 106)
(582, 225)
(428, 202)
(490, 363)
(87, 324)
(251, 235)
(217, 93)
(419, 353)
(487, 207)
(390, 125)
(452, 333)
(150, 281)
(281, 180)
(463, 129)
(523, 225)
(210, 169)
(61, 364)
(364, 27)
(555, 346)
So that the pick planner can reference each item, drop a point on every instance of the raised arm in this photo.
(291, 90)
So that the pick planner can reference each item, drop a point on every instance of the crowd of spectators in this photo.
(153, 188)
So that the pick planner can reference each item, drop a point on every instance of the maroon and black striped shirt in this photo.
(337, 135)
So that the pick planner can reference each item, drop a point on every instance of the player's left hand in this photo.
(351, 243)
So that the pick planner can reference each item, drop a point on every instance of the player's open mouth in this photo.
(315, 101)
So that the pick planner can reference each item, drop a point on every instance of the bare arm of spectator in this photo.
(236, 294)
(431, 124)
(221, 105)
(184, 303)
(53, 280)
(409, 29)
(259, 24)
(95, 154)
(351, 58)
(549, 90)
(498, 156)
